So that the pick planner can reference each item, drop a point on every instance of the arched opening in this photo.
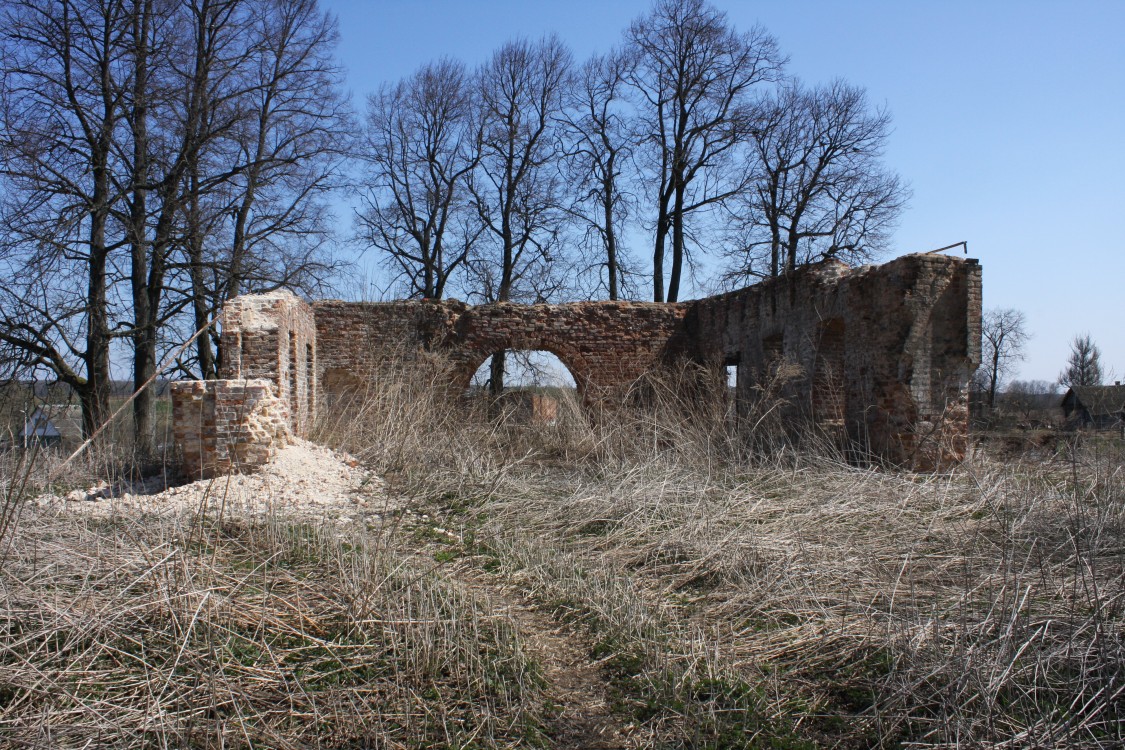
(538, 387)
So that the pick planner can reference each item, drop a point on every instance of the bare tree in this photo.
(254, 141)
(233, 97)
(819, 189)
(291, 149)
(693, 77)
(141, 126)
(599, 146)
(516, 188)
(1031, 396)
(1003, 336)
(1083, 366)
(169, 65)
(421, 147)
(266, 184)
(61, 111)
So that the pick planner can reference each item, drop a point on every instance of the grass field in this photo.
(640, 580)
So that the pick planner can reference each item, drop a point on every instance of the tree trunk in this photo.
(144, 330)
(658, 257)
(610, 237)
(199, 290)
(677, 244)
(496, 373)
(95, 395)
(610, 248)
(994, 376)
(775, 253)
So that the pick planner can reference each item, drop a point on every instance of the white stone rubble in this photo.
(303, 480)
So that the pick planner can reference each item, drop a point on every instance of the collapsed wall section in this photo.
(227, 425)
(266, 394)
(273, 336)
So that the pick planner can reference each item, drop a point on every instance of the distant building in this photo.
(51, 426)
(1100, 407)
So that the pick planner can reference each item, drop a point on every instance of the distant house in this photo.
(50, 426)
(1101, 407)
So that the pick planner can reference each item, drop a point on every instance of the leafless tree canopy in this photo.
(259, 197)
(421, 145)
(63, 91)
(599, 148)
(1003, 337)
(157, 158)
(688, 131)
(693, 78)
(517, 189)
(818, 190)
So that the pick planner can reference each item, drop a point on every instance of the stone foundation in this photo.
(881, 355)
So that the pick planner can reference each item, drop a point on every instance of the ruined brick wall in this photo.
(355, 339)
(273, 336)
(227, 425)
(605, 345)
(267, 391)
(887, 349)
(880, 354)
(527, 408)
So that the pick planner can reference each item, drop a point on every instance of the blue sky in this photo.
(1009, 122)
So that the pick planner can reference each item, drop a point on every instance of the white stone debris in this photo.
(303, 481)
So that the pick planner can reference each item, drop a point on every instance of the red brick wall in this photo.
(268, 390)
(883, 353)
(227, 425)
(605, 345)
(910, 341)
(273, 336)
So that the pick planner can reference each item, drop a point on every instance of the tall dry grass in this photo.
(741, 586)
(216, 632)
(748, 586)
(208, 629)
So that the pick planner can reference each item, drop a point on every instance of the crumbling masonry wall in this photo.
(267, 391)
(605, 345)
(883, 353)
(227, 425)
(879, 354)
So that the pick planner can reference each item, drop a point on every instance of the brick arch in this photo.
(470, 360)
(605, 345)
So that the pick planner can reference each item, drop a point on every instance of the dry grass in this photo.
(744, 598)
(207, 630)
(738, 592)
(842, 606)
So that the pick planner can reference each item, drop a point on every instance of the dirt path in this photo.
(575, 685)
